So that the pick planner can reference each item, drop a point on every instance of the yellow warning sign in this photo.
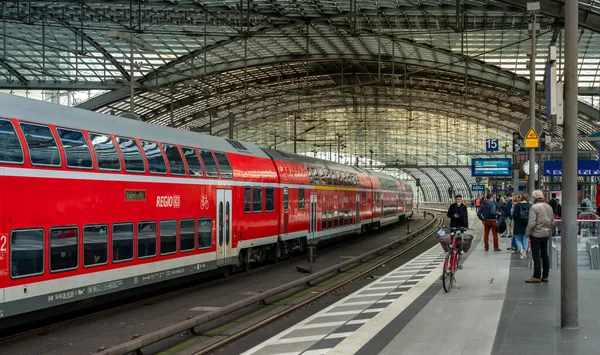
(532, 139)
(531, 134)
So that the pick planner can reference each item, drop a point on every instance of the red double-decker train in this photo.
(93, 205)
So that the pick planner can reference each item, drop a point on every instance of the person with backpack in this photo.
(521, 218)
(487, 214)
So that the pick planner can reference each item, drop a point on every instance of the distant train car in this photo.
(94, 205)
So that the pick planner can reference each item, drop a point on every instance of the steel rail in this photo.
(223, 342)
(138, 343)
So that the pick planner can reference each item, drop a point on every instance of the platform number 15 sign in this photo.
(491, 145)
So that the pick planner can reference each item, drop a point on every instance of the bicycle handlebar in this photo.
(459, 229)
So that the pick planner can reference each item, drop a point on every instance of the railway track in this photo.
(48, 325)
(376, 257)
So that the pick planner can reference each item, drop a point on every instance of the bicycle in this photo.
(452, 260)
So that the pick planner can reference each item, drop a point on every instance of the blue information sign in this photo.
(584, 168)
(478, 188)
(491, 167)
(491, 145)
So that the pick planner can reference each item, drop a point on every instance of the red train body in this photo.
(93, 205)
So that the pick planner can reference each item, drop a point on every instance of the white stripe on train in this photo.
(86, 175)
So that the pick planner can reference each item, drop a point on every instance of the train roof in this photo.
(12, 106)
(304, 159)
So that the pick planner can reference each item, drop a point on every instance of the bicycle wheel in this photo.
(447, 273)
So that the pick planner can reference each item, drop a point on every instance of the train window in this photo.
(106, 153)
(187, 234)
(76, 149)
(63, 248)
(335, 219)
(26, 252)
(323, 220)
(122, 242)
(168, 237)
(247, 199)
(341, 218)
(156, 161)
(330, 218)
(328, 174)
(316, 176)
(226, 171)
(11, 150)
(42, 146)
(285, 199)
(193, 163)
(131, 155)
(209, 164)
(174, 158)
(334, 175)
(310, 177)
(364, 197)
(95, 245)
(301, 198)
(269, 199)
(204, 233)
(322, 176)
(146, 237)
(257, 199)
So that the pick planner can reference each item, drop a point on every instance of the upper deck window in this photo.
(315, 174)
(226, 171)
(193, 163)
(76, 149)
(209, 163)
(42, 146)
(10, 146)
(156, 161)
(106, 153)
(131, 155)
(174, 159)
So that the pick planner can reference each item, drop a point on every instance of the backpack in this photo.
(523, 214)
(502, 225)
(583, 204)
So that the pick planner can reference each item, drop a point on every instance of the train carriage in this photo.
(93, 205)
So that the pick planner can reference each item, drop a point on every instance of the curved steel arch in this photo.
(488, 73)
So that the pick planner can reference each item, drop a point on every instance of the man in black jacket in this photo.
(554, 204)
(457, 212)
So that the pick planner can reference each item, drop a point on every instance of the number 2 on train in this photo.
(3, 240)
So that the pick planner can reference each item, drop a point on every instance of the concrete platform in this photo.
(494, 312)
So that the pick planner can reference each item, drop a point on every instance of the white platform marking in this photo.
(384, 286)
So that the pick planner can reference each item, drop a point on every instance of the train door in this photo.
(286, 215)
(224, 250)
(313, 217)
(357, 208)
(381, 215)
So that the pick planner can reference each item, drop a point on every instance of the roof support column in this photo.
(569, 317)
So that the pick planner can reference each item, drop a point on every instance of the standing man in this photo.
(477, 204)
(506, 213)
(457, 212)
(539, 226)
(488, 214)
